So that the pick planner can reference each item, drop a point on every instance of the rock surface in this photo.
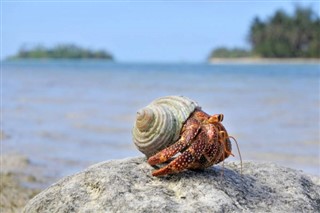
(17, 185)
(127, 186)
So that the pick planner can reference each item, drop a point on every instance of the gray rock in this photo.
(127, 186)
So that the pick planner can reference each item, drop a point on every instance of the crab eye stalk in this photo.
(216, 118)
(220, 117)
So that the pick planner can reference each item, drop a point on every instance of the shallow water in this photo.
(67, 115)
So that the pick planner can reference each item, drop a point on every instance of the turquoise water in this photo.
(67, 115)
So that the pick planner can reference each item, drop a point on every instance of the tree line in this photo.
(65, 51)
(281, 36)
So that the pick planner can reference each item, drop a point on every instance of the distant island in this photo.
(62, 51)
(279, 37)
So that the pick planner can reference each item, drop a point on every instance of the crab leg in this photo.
(187, 157)
(223, 139)
(212, 154)
(191, 128)
(212, 151)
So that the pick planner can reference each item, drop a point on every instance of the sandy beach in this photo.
(264, 61)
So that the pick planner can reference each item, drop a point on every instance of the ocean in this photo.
(66, 115)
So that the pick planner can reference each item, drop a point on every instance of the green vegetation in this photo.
(287, 36)
(281, 36)
(223, 52)
(65, 51)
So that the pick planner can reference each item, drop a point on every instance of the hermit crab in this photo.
(176, 124)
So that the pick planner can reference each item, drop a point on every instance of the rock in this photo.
(15, 185)
(13, 195)
(127, 186)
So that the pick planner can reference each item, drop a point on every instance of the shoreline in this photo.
(264, 60)
(20, 182)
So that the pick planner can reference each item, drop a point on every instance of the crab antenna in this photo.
(238, 150)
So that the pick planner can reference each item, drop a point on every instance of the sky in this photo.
(136, 31)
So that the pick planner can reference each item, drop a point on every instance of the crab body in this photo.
(203, 143)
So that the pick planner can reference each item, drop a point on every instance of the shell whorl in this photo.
(158, 125)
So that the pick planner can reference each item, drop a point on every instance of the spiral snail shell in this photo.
(158, 125)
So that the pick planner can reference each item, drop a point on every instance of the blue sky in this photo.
(136, 31)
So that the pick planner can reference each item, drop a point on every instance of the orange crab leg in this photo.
(191, 127)
(223, 137)
(187, 157)
(212, 154)
(213, 149)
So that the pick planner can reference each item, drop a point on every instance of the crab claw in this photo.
(183, 161)
(192, 127)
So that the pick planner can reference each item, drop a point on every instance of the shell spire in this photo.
(158, 125)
